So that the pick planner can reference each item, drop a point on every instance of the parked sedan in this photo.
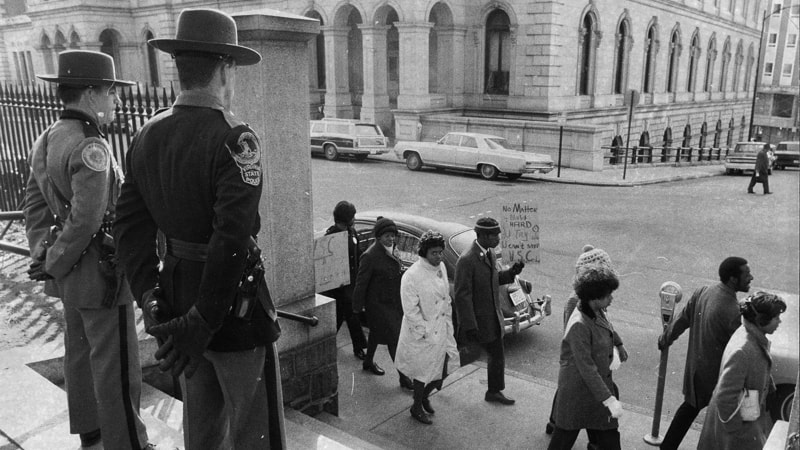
(785, 351)
(483, 153)
(520, 310)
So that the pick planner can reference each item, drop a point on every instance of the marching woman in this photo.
(737, 417)
(427, 337)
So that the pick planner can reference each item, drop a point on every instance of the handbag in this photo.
(748, 408)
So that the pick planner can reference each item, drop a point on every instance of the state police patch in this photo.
(247, 155)
(95, 157)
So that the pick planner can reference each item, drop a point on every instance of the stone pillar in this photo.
(451, 57)
(414, 39)
(337, 80)
(375, 100)
(273, 98)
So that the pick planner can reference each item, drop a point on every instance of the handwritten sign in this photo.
(331, 262)
(519, 224)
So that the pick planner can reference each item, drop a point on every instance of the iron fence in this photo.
(613, 155)
(26, 111)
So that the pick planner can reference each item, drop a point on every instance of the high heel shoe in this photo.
(426, 405)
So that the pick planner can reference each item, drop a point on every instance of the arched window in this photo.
(703, 131)
(622, 56)
(316, 52)
(687, 136)
(47, 54)
(737, 66)
(741, 129)
(749, 70)
(694, 57)
(61, 43)
(668, 137)
(729, 139)
(650, 50)
(109, 44)
(726, 59)
(74, 40)
(674, 56)
(711, 57)
(717, 133)
(587, 43)
(152, 60)
(498, 53)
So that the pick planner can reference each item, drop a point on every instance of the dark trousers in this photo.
(344, 313)
(601, 439)
(496, 364)
(763, 179)
(683, 419)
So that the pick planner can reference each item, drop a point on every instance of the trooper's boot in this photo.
(426, 404)
(417, 412)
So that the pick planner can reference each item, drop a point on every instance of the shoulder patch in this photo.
(95, 157)
(246, 152)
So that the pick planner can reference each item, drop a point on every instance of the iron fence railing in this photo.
(26, 111)
(650, 155)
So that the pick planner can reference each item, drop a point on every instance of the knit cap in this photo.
(383, 225)
(591, 255)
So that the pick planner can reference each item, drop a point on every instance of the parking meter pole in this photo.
(653, 438)
(628, 141)
(560, 140)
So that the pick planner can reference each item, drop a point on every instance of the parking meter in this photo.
(669, 295)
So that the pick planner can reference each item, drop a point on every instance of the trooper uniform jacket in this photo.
(194, 173)
(73, 184)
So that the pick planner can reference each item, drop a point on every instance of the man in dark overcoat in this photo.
(761, 172)
(477, 299)
(69, 206)
(711, 315)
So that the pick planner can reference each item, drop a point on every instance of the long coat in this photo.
(762, 163)
(584, 378)
(378, 291)
(746, 364)
(477, 295)
(426, 334)
(711, 315)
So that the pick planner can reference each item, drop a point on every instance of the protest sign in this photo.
(331, 261)
(519, 225)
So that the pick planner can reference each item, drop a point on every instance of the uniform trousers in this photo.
(600, 439)
(102, 375)
(225, 402)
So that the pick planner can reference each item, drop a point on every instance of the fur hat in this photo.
(344, 212)
(591, 255)
(383, 226)
(487, 225)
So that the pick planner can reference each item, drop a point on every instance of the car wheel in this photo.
(330, 152)
(513, 176)
(728, 171)
(360, 157)
(413, 161)
(489, 172)
(781, 407)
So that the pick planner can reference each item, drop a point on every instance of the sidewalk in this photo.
(620, 176)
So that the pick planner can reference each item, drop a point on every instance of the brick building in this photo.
(521, 69)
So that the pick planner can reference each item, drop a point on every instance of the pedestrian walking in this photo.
(589, 256)
(587, 397)
(477, 297)
(427, 339)
(194, 182)
(69, 207)
(761, 172)
(737, 416)
(711, 315)
(377, 293)
(343, 219)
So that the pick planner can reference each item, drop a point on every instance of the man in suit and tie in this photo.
(477, 299)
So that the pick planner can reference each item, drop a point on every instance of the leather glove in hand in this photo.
(154, 309)
(662, 342)
(37, 273)
(614, 406)
(190, 331)
(173, 360)
(516, 269)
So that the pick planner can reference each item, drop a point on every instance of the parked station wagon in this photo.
(743, 157)
(335, 137)
(483, 153)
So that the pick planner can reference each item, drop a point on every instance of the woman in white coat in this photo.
(426, 334)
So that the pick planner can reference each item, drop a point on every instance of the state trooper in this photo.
(194, 182)
(69, 204)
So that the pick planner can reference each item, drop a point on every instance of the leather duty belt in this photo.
(191, 251)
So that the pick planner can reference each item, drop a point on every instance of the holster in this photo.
(109, 268)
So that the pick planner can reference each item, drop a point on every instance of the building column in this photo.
(451, 57)
(337, 82)
(375, 100)
(414, 39)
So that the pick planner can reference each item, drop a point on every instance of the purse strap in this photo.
(745, 393)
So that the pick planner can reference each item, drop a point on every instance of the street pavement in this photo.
(373, 411)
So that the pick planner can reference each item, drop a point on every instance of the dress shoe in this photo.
(498, 397)
(549, 428)
(406, 383)
(360, 354)
(420, 415)
(426, 405)
(373, 367)
(767, 193)
(750, 192)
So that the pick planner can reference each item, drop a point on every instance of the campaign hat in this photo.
(204, 30)
(85, 68)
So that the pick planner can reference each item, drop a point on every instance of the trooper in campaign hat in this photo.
(194, 174)
(69, 204)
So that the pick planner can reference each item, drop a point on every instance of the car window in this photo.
(363, 129)
(461, 242)
(496, 143)
(339, 128)
(748, 148)
(452, 139)
(469, 142)
(318, 128)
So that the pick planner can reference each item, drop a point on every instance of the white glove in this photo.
(614, 406)
(615, 360)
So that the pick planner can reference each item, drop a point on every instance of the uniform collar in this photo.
(190, 98)
(83, 117)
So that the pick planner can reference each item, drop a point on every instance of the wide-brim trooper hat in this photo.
(207, 31)
(85, 68)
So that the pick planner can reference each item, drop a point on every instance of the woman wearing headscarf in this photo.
(377, 293)
(735, 420)
(427, 337)
(587, 396)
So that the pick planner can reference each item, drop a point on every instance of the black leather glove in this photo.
(516, 269)
(177, 362)
(662, 342)
(191, 335)
(154, 309)
(37, 273)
